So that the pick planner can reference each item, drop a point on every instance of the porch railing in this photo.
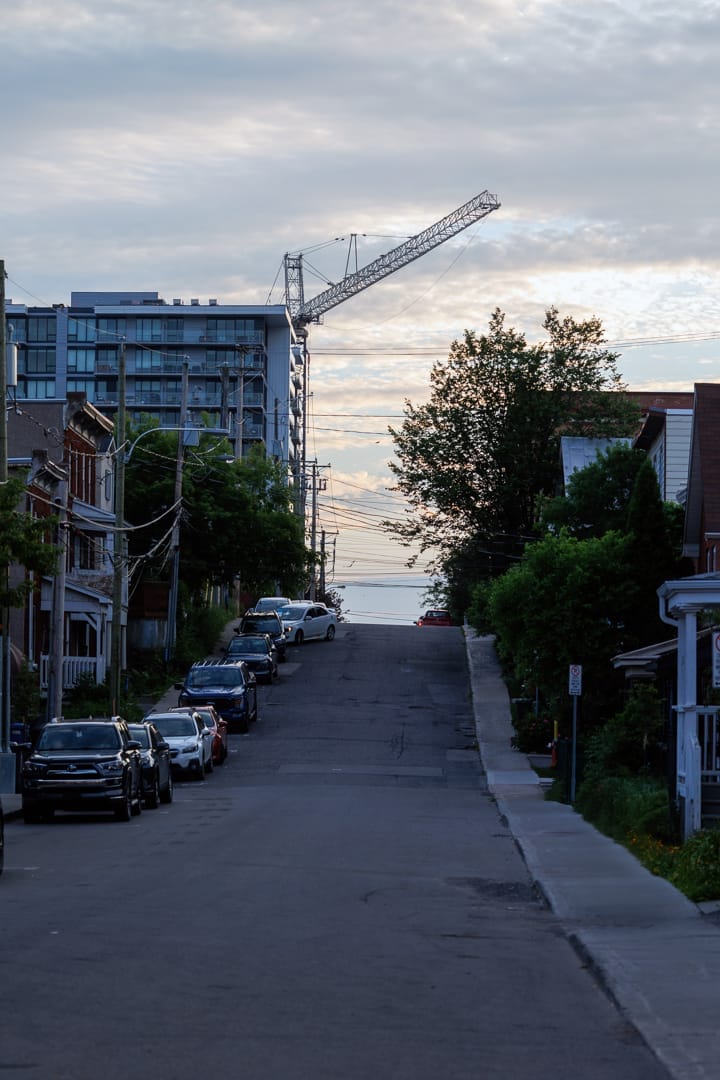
(73, 668)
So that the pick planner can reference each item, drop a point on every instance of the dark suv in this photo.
(83, 765)
(265, 622)
(230, 687)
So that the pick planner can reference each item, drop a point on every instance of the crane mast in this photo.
(303, 313)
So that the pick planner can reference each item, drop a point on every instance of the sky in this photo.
(184, 148)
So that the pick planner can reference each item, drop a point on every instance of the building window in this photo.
(81, 360)
(106, 361)
(81, 328)
(111, 329)
(82, 386)
(41, 328)
(31, 389)
(228, 330)
(36, 361)
(148, 330)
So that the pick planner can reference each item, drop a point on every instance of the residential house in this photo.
(66, 450)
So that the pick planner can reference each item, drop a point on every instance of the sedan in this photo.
(218, 729)
(435, 617)
(157, 778)
(305, 621)
(189, 741)
(258, 652)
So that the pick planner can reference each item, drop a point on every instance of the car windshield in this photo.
(267, 624)
(214, 676)
(141, 734)
(292, 613)
(244, 645)
(80, 737)
(173, 727)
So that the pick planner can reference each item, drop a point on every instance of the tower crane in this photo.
(304, 312)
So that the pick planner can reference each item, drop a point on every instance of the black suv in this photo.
(83, 765)
(265, 622)
(230, 687)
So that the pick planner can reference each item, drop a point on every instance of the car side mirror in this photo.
(162, 745)
(178, 686)
(133, 744)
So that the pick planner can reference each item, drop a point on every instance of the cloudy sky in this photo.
(183, 147)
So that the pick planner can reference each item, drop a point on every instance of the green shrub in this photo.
(696, 866)
(533, 734)
(622, 806)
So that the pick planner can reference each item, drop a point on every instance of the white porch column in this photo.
(680, 602)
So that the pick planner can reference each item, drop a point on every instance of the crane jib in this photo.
(303, 312)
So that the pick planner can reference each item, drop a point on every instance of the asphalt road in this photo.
(340, 901)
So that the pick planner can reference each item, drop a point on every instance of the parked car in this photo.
(305, 620)
(258, 652)
(157, 779)
(2, 839)
(218, 730)
(190, 741)
(271, 603)
(229, 686)
(265, 622)
(435, 617)
(91, 764)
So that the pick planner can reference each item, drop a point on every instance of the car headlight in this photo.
(34, 768)
(112, 768)
(189, 748)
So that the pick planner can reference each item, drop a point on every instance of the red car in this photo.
(435, 617)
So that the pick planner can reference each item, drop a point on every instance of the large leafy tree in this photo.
(236, 518)
(474, 459)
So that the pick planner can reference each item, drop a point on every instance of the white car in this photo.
(305, 620)
(190, 741)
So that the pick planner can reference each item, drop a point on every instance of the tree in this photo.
(474, 459)
(566, 602)
(23, 541)
(236, 523)
(597, 496)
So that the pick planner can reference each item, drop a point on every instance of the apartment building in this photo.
(243, 374)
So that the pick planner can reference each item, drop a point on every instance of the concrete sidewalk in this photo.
(655, 952)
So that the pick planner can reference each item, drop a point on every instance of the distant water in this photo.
(385, 602)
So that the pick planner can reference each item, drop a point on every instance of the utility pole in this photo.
(322, 562)
(56, 666)
(119, 564)
(170, 633)
(7, 759)
(313, 527)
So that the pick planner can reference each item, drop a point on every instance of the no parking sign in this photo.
(575, 679)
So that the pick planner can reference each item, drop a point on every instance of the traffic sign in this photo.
(575, 680)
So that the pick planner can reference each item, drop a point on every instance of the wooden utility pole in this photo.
(119, 561)
(7, 759)
(170, 633)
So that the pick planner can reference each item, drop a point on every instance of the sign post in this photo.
(716, 659)
(575, 690)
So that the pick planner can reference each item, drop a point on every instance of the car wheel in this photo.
(2, 843)
(166, 794)
(123, 812)
(330, 633)
(210, 765)
(200, 771)
(136, 804)
(299, 637)
(152, 797)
